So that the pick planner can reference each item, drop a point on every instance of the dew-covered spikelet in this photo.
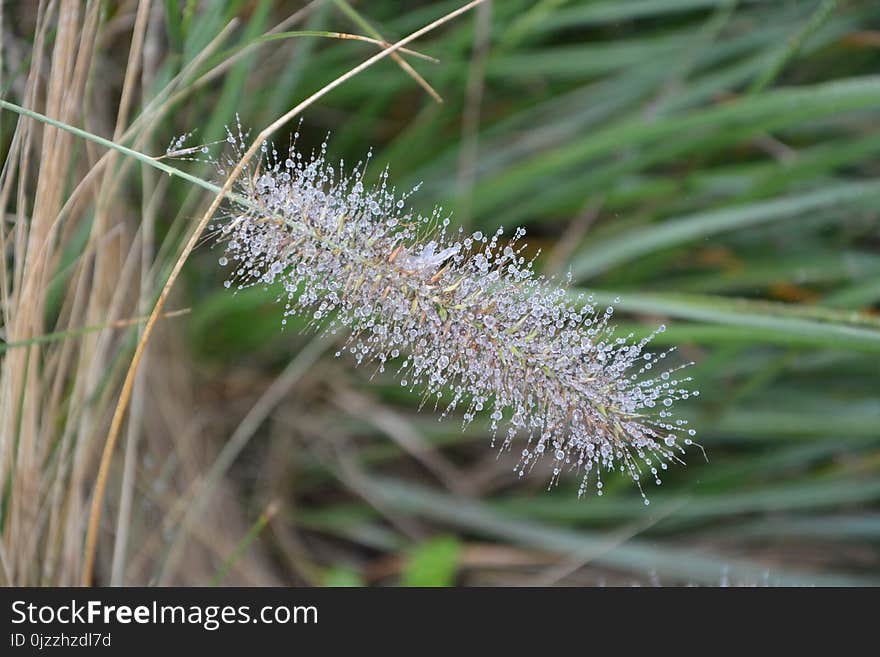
(463, 318)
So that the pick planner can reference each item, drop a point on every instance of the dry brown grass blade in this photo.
(362, 22)
(111, 175)
(62, 75)
(385, 44)
(116, 422)
(403, 433)
(271, 397)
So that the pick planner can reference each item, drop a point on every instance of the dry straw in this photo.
(127, 386)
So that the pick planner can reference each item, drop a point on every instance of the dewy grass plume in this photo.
(464, 318)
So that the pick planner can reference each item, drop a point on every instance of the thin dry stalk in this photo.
(265, 134)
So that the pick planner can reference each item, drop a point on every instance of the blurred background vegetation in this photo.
(714, 163)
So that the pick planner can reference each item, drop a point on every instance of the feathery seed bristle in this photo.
(471, 319)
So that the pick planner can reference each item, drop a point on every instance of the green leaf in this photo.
(615, 251)
(759, 321)
(432, 563)
(340, 576)
(690, 564)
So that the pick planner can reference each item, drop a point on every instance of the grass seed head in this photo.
(462, 317)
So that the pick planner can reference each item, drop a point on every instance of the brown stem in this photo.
(119, 413)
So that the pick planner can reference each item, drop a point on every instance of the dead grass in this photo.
(78, 253)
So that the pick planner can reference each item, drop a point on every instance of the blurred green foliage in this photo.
(432, 563)
(715, 165)
(712, 162)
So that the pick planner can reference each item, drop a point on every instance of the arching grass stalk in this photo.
(125, 394)
(107, 143)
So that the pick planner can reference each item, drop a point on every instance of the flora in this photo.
(464, 318)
